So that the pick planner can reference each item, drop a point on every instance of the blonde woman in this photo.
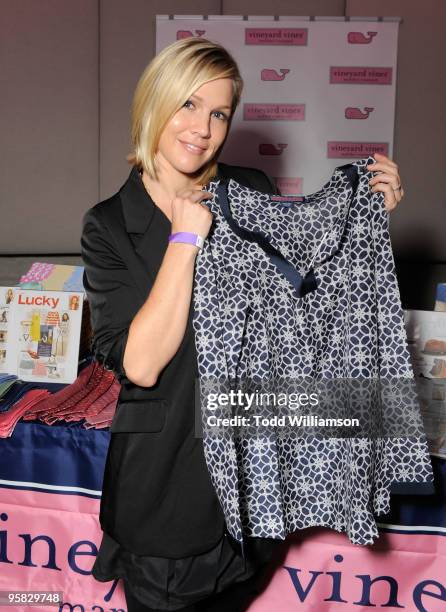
(164, 530)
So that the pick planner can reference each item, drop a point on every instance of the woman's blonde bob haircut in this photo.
(166, 84)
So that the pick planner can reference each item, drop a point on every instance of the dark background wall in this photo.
(67, 75)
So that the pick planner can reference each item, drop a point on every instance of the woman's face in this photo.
(203, 122)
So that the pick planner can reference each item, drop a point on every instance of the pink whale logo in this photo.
(358, 38)
(188, 33)
(268, 148)
(355, 113)
(268, 74)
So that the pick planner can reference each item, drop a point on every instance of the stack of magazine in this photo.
(426, 335)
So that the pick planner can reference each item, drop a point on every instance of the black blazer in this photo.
(157, 496)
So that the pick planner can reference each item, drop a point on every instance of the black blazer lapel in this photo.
(146, 225)
(114, 221)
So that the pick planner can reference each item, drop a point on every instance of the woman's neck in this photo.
(166, 188)
(162, 194)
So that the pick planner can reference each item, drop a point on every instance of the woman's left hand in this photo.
(387, 180)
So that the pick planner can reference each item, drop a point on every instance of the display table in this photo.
(50, 488)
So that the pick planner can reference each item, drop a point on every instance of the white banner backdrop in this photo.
(319, 92)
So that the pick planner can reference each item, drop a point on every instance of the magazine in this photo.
(440, 301)
(426, 335)
(40, 334)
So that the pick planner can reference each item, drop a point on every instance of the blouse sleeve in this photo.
(109, 290)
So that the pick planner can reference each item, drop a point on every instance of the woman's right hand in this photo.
(189, 215)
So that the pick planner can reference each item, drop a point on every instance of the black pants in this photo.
(236, 598)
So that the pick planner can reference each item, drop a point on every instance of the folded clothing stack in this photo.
(90, 400)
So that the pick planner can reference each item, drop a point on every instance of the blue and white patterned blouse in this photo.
(289, 292)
